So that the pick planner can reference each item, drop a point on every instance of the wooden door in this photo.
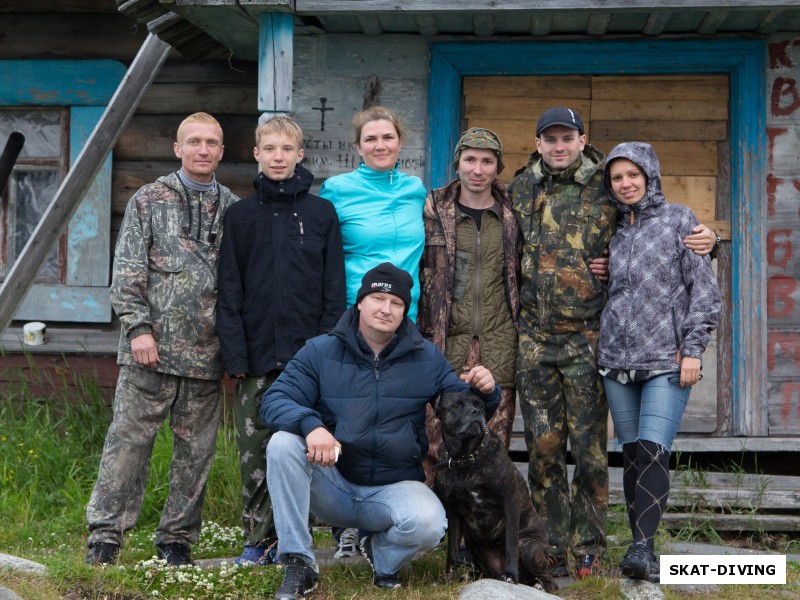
(684, 117)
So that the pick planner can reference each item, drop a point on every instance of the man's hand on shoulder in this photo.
(145, 350)
(701, 241)
(323, 449)
(480, 378)
(599, 266)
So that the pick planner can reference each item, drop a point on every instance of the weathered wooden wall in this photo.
(44, 29)
(783, 237)
(351, 70)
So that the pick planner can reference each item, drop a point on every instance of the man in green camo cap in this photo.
(469, 298)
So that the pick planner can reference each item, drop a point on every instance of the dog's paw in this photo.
(509, 577)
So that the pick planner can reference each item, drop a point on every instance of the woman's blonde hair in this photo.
(376, 113)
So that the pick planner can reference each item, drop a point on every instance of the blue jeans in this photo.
(406, 517)
(648, 410)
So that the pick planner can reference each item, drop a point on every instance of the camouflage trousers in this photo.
(252, 437)
(561, 398)
(143, 400)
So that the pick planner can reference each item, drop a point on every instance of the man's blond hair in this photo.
(198, 117)
(280, 124)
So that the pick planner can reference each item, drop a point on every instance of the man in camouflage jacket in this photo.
(567, 220)
(470, 297)
(164, 292)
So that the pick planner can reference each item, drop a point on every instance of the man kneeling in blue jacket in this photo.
(349, 417)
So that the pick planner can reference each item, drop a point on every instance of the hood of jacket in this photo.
(644, 157)
(288, 189)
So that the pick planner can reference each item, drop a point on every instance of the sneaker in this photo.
(391, 581)
(299, 578)
(257, 555)
(102, 553)
(586, 565)
(348, 544)
(175, 553)
(639, 562)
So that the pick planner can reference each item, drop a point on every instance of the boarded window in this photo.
(684, 117)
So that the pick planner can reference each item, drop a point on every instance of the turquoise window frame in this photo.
(745, 62)
(85, 88)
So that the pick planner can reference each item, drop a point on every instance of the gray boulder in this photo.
(634, 589)
(491, 589)
(15, 563)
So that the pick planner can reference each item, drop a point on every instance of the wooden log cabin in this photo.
(711, 84)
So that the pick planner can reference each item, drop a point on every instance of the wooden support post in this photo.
(275, 58)
(141, 73)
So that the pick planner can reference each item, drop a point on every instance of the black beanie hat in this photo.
(388, 279)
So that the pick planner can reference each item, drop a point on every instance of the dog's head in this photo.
(462, 414)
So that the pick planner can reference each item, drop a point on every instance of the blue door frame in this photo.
(744, 61)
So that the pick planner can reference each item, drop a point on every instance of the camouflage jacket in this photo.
(438, 280)
(566, 220)
(165, 278)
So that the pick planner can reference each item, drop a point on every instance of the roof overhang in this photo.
(206, 29)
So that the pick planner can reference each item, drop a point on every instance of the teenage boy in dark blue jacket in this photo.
(356, 399)
(281, 282)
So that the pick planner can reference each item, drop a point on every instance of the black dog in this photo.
(486, 498)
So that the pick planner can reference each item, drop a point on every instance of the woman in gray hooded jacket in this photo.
(663, 303)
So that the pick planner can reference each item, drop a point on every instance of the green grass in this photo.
(50, 448)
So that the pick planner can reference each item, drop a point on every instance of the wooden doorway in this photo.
(685, 118)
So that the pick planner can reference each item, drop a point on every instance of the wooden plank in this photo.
(66, 6)
(747, 521)
(571, 86)
(63, 83)
(678, 158)
(214, 72)
(660, 110)
(353, 6)
(150, 138)
(186, 98)
(698, 193)
(130, 176)
(784, 407)
(517, 135)
(20, 277)
(88, 247)
(486, 107)
(716, 490)
(32, 36)
(275, 57)
(49, 302)
(625, 88)
(648, 131)
(704, 444)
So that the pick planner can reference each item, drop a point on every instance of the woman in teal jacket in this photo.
(379, 207)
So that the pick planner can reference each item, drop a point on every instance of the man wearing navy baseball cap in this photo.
(348, 414)
(567, 221)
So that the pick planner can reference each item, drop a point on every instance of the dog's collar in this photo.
(465, 461)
